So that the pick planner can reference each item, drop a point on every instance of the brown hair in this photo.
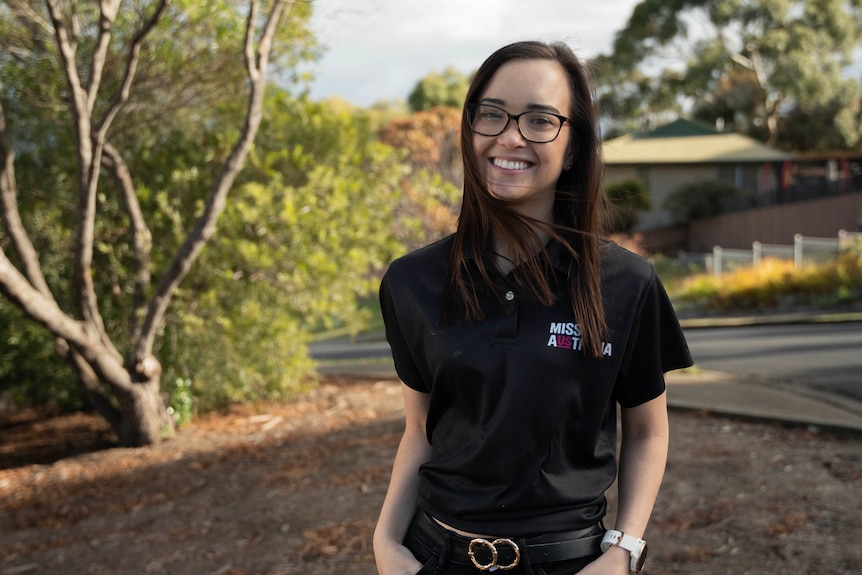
(578, 208)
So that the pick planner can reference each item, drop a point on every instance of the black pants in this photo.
(435, 553)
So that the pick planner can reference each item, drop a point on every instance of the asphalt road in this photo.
(826, 356)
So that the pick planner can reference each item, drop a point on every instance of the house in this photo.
(687, 151)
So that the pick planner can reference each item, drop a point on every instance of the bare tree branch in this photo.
(30, 260)
(90, 143)
(142, 237)
(45, 310)
(250, 61)
(31, 293)
(206, 225)
(11, 216)
(87, 177)
(108, 13)
(122, 95)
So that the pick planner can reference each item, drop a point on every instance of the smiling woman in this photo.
(521, 160)
(515, 339)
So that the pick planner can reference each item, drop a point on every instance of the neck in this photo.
(541, 210)
(506, 260)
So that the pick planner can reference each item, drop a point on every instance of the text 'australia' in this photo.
(568, 336)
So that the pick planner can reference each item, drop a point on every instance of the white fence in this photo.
(804, 251)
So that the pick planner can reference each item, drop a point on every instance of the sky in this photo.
(379, 49)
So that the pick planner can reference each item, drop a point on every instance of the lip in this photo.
(511, 164)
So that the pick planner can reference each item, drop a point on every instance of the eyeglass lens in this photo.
(539, 127)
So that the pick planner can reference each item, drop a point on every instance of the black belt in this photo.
(505, 553)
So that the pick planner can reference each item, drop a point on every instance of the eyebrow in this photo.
(534, 107)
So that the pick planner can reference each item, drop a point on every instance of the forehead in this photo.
(524, 83)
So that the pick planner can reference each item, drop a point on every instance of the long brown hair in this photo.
(578, 208)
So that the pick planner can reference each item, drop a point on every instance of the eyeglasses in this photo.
(536, 127)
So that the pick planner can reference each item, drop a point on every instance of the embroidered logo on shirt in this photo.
(568, 336)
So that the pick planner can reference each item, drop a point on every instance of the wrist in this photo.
(634, 548)
(619, 556)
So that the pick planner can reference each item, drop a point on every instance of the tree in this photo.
(431, 196)
(778, 55)
(436, 89)
(310, 225)
(86, 44)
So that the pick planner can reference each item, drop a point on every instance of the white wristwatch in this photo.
(637, 548)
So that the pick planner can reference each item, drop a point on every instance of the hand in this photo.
(615, 561)
(395, 559)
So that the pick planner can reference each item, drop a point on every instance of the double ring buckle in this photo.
(492, 565)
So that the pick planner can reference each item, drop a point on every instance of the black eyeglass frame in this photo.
(472, 108)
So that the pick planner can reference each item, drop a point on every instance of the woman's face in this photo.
(515, 169)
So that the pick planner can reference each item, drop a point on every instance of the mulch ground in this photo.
(294, 489)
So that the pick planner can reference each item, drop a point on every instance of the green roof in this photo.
(682, 127)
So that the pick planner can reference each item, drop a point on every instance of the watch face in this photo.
(641, 558)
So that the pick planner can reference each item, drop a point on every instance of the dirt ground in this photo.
(294, 489)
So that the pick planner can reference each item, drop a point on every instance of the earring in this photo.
(567, 167)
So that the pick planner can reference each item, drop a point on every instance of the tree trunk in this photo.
(145, 418)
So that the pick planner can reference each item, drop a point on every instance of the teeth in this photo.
(509, 165)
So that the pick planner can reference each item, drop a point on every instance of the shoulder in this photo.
(619, 263)
(433, 255)
(426, 265)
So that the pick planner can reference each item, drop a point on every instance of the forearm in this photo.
(642, 464)
(643, 457)
(391, 556)
(400, 502)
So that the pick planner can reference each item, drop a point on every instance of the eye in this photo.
(539, 120)
(488, 113)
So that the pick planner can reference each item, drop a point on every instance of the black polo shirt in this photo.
(522, 426)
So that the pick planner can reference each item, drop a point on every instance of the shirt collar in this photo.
(558, 255)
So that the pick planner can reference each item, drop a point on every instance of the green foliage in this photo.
(31, 372)
(297, 249)
(673, 271)
(181, 401)
(446, 89)
(704, 199)
(757, 64)
(627, 197)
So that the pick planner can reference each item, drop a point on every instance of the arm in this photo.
(391, 556)
(643, 455)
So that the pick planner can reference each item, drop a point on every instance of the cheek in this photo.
(566, 152)
(480, 145)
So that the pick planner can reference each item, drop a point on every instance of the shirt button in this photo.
(510, 295)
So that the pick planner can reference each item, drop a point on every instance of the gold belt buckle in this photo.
(492, 565)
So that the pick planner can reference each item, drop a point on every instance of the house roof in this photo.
(682, 127)
(688, 142)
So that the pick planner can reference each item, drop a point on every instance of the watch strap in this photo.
(630, 543)
(612, 537)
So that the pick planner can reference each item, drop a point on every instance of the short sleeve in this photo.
(402, 355)
(656, 346)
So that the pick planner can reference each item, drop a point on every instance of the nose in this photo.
(511, 134)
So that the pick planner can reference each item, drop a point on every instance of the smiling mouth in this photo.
(510, 164)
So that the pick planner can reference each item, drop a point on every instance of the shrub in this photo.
(705, 199)
(775, 284)
(626, 198)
